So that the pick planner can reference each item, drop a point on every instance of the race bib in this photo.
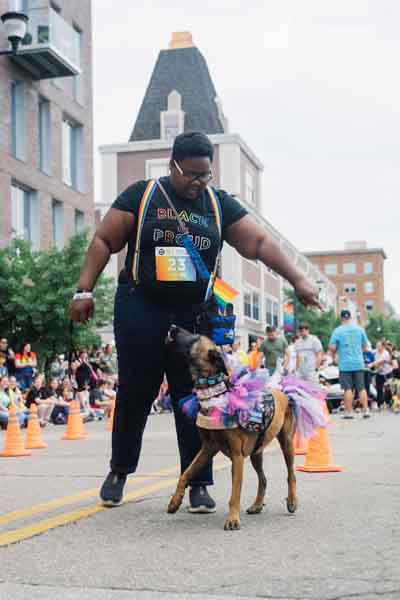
(174, 264)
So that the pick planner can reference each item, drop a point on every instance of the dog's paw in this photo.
(173, 506)
(232, 524)
(255, 509)
(292, 505)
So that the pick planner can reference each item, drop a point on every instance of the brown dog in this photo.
(205, 360)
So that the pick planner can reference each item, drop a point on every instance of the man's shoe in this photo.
(366, 414)
(200, 500)
(112, 489)
(348, 415)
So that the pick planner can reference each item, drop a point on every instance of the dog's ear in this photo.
(216, 359)
(213, 356)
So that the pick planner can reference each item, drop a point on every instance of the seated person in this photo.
(5, 402)
(37, 395)
(98, 398)
(15, 393)
(59, 414)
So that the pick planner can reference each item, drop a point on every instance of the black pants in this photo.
(368, 381)
(140, 327)
(380, 384)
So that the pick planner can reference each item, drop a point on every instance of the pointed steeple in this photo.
(182, 70)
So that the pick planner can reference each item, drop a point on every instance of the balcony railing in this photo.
(51, 47)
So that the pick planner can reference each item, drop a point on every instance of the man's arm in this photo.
(111, 236)
(255, 243)
(319, 360)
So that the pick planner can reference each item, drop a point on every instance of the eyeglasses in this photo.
(192, 176)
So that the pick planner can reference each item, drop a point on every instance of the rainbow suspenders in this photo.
(143, 208)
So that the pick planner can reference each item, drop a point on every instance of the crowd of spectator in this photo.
(303, 355)
(90, 377)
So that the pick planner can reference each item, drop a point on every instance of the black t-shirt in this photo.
(166, 272)
(34, 394)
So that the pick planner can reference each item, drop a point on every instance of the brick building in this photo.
(358, 273)
(181, 97)
(46, 144)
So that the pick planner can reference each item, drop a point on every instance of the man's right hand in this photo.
(81, 311)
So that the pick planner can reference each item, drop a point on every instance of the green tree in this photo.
(35, 291)
(383, 326)
(321, 323)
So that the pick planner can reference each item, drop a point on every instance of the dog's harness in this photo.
(244, 403)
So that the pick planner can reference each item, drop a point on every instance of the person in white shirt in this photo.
(383, 366)
(309, 354)
(292, 355)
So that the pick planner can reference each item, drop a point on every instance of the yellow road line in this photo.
(64, 501)
(28, 531)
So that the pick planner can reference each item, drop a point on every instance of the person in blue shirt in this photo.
(349, 341)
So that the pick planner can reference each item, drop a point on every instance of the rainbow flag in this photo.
(223, 292)
(289, 318)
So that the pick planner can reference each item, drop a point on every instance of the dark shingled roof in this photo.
(184, 70)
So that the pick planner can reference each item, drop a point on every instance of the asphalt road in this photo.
(343, 543)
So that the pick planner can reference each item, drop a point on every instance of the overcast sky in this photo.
(313, 87)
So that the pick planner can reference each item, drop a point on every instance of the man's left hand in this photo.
(307, 293)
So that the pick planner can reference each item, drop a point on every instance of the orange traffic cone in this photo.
(319, 454)
(111, 418)
(300, 445)
(14, 445)
(33, 433)
(75, 428)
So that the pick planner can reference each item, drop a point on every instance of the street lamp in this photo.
(15, 26)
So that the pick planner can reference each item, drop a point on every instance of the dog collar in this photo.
(213, 391)
(209, 381)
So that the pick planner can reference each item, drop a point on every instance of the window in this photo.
(350, 288)
(18, 6)
(44, 136)
(72, 149)
(331, 269)
(156, 167)
(275, 322)
(368, 287)
(368, 268)
(247, 304)
(250, 194)
(349, 268)
(18, 120)
(25, 214)
(369, 305)
(256, 306)
(78, 79)
(172, 120)
(171, 124)
(57, 213)
(79, 220)
(268, 311)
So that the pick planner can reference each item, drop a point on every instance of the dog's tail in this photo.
(308, 404)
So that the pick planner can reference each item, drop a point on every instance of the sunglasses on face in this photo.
(192, 176)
